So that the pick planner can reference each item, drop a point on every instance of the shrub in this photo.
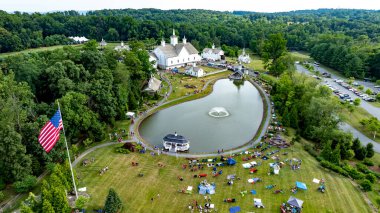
(122, 150)
(378, 201)
(2, 196)
(363, 168)
(366, 185)
(353, 173)
(25, 185)
(334, 168)
(368, 162)
(371, 177)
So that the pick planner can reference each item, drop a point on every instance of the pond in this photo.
(241, 107)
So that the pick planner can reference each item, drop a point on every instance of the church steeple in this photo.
(184, 40)
(173, 39)
(213, 46)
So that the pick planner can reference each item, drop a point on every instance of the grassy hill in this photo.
(136, 192)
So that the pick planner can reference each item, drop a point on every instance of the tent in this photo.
(235, 209)
(295, 202)
(130, 114)
(231, 177)
(247, 165)
(301, 185)
(231, 161)
(258, 203)
(206, 189)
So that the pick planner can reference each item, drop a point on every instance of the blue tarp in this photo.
(301, 185)
(209, 189)
(231, 161)
(235, 209)
(253, 192)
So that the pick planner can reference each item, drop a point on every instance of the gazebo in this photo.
(295, 202)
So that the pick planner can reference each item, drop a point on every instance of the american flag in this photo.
(49, 134)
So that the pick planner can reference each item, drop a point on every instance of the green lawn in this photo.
(179, 81)
(136, 192)
(300, 56)
(354, 118)
(256, 63)
(2, 55)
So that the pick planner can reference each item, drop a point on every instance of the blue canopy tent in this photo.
(175, 69)
(206, 189)
(235, 209)
(231, 161)
(301, 185)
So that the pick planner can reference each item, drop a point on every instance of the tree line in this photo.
(92, 87)
(347, 40)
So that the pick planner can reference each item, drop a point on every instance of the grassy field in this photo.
(2, 55)
(354, 118)
(256, 63)
(179, 81)
(161, 183)
(300, 56)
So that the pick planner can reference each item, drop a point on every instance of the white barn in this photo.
(175, 54)
(244, 58)
(213, 54)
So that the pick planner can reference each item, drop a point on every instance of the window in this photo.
(178, 61)
(183, 60)
(171, 62)
(188, 59)
(194, 57)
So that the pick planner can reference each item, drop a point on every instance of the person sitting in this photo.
(180, 178)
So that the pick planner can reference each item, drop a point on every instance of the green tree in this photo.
(368, 92)
(326, 152)
(274, 52)
(81, 202)
(26, 184)
(372, 124)
(370, 151)
(366, 185)
(361, 153)
(113, 202)
(112, 35)
(47, 207)
(357, 101)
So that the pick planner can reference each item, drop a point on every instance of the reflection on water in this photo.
(206, 133)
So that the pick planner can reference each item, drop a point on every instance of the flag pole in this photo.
(68, 153)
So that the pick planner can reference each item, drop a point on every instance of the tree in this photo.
(372, 124)
(368, 91)
(274, 52)
(81, 202)
(370, 151)
(47, 207)
(357, 102)
(326, 152)
(361, 153)
(28, 183)
(366, 185)
(113, 202)
(112, 35)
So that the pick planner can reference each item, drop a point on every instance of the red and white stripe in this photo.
(49, 135)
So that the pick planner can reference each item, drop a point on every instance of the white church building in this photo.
(244, 58)
(213, 54)
(176, 54)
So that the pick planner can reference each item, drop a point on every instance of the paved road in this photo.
(375, 111)
(364, 139)
(344, 126)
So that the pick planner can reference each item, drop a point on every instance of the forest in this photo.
(93, 90)
(347, 40)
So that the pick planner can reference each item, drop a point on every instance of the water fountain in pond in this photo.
(218, 112)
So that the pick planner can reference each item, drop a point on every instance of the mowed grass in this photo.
(300, 56)
(179, 81)
(354, 118)
(256, 64)
(136, 192)
(40, 49)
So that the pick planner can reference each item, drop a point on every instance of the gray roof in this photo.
(175, 138)
(215, 50)
(173, 51)
(153, 55)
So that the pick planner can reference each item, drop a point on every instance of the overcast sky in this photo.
(223, 5)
